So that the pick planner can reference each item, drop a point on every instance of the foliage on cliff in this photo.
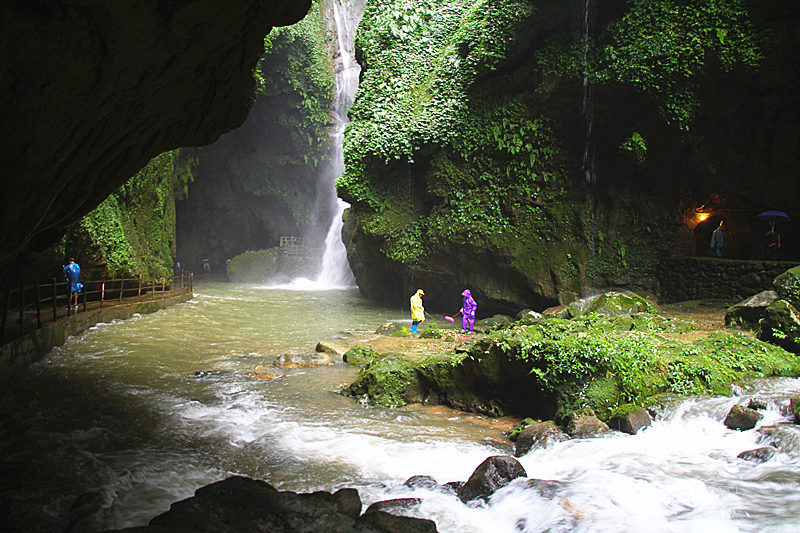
(556, 366)
(470, 128)
(133, 231)
(259, 181)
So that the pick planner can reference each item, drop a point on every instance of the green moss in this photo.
(431, 331)
(253, 266)
(787, 285)
(360, 356)
(401, 332)
(624, 410)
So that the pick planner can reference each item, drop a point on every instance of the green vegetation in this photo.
(133, 231)
(557, 366)
(253, 266)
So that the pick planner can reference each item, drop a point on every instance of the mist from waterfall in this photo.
(342, 18)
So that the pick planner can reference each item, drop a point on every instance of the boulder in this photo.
(538, 435)
(781, 326)
(431, 331)
(303, 360)
(747, 313)
(331, 348)
(583, 424)
(492, 474)
(759, 404)
(360, 356)
(389, 523)
(422, 482)
(787, 285)
(557, 311)
(783, 437)
(629, 418)
(759, 455)
(741, 418)
(493, 323)
(397, 507)
(262, 372)
(452, 487)
(615, 303)
(390, 327)
(528, 317)
(349, 502)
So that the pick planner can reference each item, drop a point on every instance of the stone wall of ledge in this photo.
(695, 278)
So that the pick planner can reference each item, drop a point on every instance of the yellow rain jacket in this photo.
(417, 311)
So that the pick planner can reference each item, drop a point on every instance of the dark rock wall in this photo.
(693, 278)
(90, 91)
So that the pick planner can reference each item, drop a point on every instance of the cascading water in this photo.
(343, 17)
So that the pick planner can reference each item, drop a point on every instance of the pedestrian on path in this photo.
(72, 272)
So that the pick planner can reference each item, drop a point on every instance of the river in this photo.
(140, 413)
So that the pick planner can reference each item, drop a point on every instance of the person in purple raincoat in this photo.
(468, 309)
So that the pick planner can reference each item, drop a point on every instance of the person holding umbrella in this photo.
(772, 239)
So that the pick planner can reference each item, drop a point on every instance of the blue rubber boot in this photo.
(413, 328)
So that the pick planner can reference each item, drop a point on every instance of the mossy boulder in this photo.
(787, 285)
(253, 266)
(360, 356)
(742, 418)
(629, 418)
(431, 331)
(749, 312)
(616, 304)
(401, 332)
(536, 435)
(389, 328)
(493, 323)
(781, 326)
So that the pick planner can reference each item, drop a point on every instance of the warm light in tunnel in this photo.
(702, 216)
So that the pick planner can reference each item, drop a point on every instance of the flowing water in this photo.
(140, 413)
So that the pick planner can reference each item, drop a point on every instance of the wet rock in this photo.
(529, 318)
(389, 328)
(794, 408)
(452, 487)
(422, 482)
(567, 297)
(331, 348)
(629, 419)
(397, 507)
(360, 356)
(389, 523)
(615, 303)
(492, 474)
(546, 488)
(759, 455)
(83, 509)
(748, 312)
(262, 372)
(741, 418)
(784, 437)
(538, 435)
(558, 311)
(781, 326)
(303, 360)
(583, 424)
(349, 502)
(240, 504)
(759, 404)
(204, 374)
(787, 285)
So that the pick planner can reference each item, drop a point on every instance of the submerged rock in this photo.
(794, 408)
(422, 482)
(742, 418)
(629, 419)
(331, 348)
(494, 473)
(303, 360)
(538, 435)
(748, 312)
(759, 455)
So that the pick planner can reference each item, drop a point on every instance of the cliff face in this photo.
(528, 149)
(91, 91)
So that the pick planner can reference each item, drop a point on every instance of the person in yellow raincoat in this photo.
(417, 311)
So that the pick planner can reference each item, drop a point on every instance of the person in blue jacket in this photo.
(72, 272)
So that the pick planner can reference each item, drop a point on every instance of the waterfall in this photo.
(342, 17)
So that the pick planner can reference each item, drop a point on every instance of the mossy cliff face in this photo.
(504, 147)
(259, 182)
(133, 231)
(557, 366)
(90, 92)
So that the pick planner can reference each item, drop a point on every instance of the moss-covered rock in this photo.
(253, 266)
(629, 418)
(748, 313)
(787, 285)
(781, 326)
(550, 369)
(360, 356)
(613, 304)
(431, 331)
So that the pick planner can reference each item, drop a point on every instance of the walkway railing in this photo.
(28, 307)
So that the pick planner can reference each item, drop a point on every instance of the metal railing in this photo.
(28, 307)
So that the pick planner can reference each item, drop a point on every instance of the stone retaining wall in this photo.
(695, 278)
(33, 346)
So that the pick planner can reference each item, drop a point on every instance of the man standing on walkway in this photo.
(72, 272)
